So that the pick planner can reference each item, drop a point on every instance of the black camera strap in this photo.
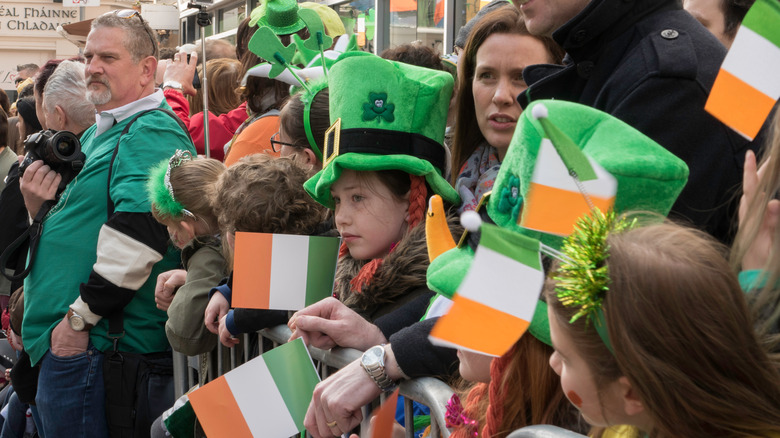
(116, 321)
(33, 234)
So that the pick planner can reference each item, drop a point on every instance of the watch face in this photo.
(77, 323)
(373, 355)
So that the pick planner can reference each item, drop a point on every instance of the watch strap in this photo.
(172, 84)
(87, 326)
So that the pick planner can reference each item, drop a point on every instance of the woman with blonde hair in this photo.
(223, 84)
(756, 250)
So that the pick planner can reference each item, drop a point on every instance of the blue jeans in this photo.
(71, 397)
(14, 425)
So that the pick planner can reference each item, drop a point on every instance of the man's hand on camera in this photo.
(38, 184)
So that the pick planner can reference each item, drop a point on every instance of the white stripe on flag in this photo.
(259, 399)
(551, 171)
(288, 271)
(440, 306)
(502, 292)
(756, 61)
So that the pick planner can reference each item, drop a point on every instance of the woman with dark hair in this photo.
(41, 78)
(490, 77)
(28, 118)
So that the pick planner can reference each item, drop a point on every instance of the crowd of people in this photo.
(121, 201)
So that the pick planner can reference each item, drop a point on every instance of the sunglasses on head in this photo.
(130, 13)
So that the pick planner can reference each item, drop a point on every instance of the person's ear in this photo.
(148, 70)
(309, 156)
(62, 118)
(632, 404)
(231, 240)
(189, 227)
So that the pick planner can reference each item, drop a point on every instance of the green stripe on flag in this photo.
(516, 246)
(321, 267)
(764, 19)
(295, 377)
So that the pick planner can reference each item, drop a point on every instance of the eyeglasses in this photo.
(130, 13)
(276, 145)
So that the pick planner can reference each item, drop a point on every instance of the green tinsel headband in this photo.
(583, 277)
(160, 189)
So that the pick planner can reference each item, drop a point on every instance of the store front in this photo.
(28, 31)
(379, 24)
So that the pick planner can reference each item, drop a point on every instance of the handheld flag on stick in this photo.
(283, 271)
(566, 184)
(747, 88)
(385, 417)
(266, 397)
(496, 301)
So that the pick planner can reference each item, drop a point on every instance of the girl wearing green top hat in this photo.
(383, 157)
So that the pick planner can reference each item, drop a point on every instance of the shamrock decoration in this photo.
(266, 44)
(510, 199)
(317, 43)
(378, 108)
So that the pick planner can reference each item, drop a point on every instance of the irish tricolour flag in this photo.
(747, 86)
(283, 271)
(495, 303)
(266, 397)
(555, 199)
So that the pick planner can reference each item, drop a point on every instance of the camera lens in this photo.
(65, 147)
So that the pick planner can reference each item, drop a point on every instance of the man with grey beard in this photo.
(101, 250)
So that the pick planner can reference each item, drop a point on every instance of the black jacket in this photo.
(651, 64)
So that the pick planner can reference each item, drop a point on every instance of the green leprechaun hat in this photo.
(649, 179)
(281, 16)
(393, 117)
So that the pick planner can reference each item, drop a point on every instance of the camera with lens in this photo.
(60, 150)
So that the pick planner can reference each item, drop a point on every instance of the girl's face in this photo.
(303, 156)
(368, 216)
(181, 234)
(577, 380)
(474, 367)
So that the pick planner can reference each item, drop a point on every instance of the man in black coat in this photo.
(650, 64)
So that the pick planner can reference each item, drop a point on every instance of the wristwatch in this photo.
(172, 84)
(373, 361)
(77, 322)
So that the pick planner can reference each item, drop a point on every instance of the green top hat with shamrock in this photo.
(281, 16)
(392, 117)
(649, 178)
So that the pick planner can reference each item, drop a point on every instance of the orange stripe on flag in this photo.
(476, 326)
(554, 210)
(384, 418)
(252, 270)
(217, 409)
(738, 105)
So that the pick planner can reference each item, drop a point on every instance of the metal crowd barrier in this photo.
(430, 392)
(544, 431)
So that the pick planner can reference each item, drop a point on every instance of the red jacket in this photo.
(221, 128)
